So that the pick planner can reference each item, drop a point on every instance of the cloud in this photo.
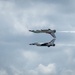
(16, 71)
(69, 53)
(17, 17)
(68, 72)
(31, 56)
(10, 14)
(44, 70)
(39, 70)
(19, 20)
(47, 70)
(3, 72)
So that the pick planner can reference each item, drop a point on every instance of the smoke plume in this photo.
(66, 31)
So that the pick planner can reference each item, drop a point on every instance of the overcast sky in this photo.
(17, 57)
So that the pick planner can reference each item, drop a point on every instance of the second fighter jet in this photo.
(48, 44)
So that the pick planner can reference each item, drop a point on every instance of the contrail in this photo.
(66, 31)
(65, 45)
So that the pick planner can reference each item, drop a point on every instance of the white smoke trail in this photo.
(66, 31)
(65, 45)
(61, 44)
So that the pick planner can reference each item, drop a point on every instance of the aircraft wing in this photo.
(33, 44)
(47, 43)
(53, 35)
(45, 30)
(35, 31)
(44, 44)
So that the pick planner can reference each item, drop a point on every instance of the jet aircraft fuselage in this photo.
(48, 44)
(48, 31)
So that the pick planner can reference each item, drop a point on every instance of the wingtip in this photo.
(29, 44)
(29, 30)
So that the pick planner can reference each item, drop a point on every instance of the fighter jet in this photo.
(48, 31)
(48, 44)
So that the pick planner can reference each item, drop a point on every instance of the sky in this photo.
(17, 57)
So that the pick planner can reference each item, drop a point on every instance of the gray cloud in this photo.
(17, 17)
